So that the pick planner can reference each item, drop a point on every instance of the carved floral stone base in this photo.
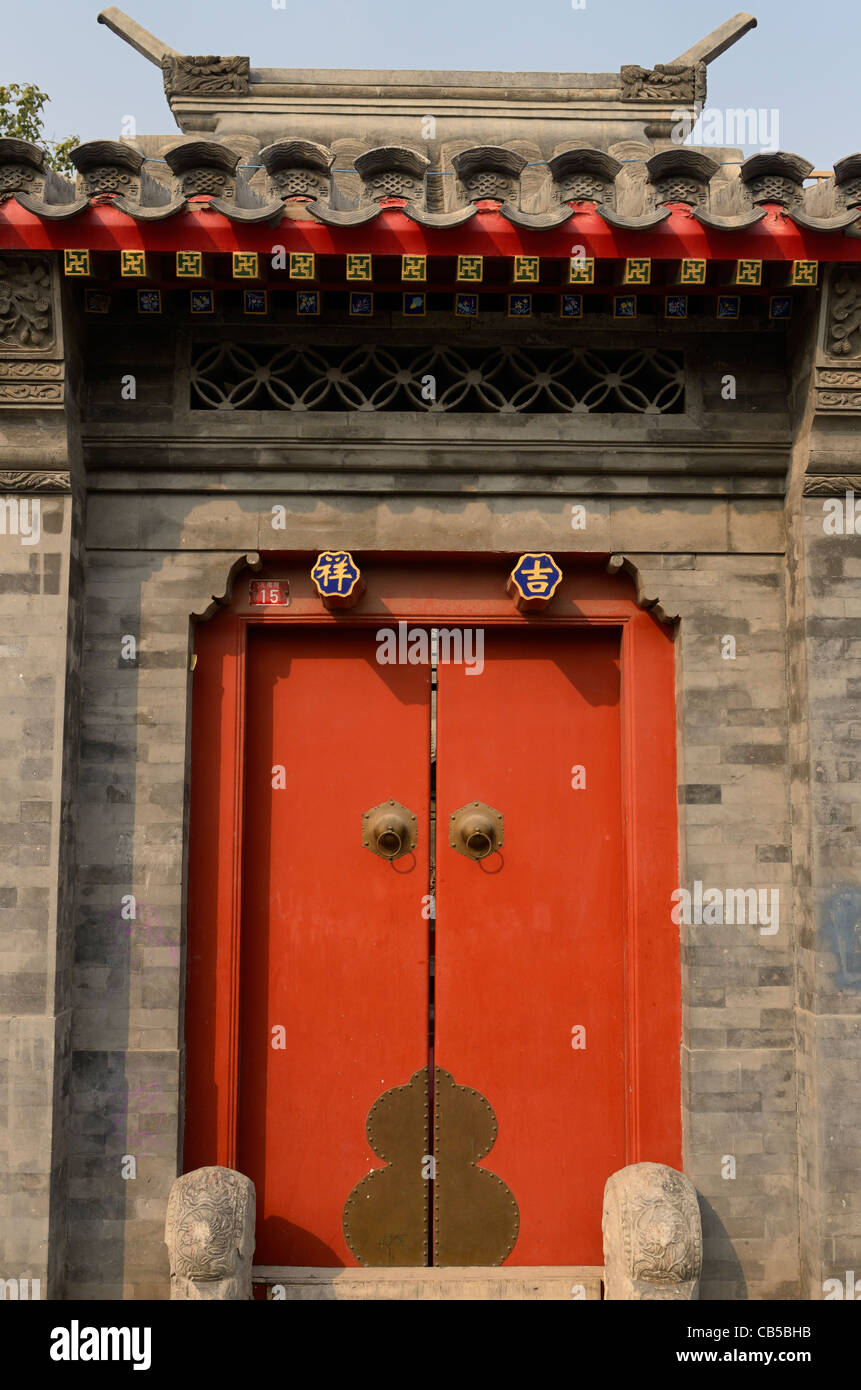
(209, 1233)
(653, 1246)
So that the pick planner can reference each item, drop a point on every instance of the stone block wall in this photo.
(824, 682)
(40, 590)
(738, 1055)
(41, 615)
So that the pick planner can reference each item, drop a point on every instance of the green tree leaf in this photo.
(21, 115)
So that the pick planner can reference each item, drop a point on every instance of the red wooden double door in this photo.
(433, 1058)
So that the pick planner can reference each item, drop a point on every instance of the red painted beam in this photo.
(105, 228)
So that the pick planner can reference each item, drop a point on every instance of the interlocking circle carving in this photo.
(503, 380)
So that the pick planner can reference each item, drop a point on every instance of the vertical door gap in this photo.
(432, 943)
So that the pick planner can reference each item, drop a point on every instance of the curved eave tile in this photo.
(336, 217)
(142, 212)
(826, 224)
(538, 221)
(265, 214)
(439, 219)
(56, 212)
(737, 222)
(632, 224)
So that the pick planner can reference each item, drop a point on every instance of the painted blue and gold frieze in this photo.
(302, 265)
(360, 265)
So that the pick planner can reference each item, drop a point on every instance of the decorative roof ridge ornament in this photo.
(681, 175)
(719, 40)
(207, 91)
(298, 169)
(847, 177)
(139, 38)
(206, 74)
(392, 171)
(488, 171)
(682, 82)
(184, 74)
(584, 174)
(202, 168)
(773, 176)
(107, 168)
(36, 187)
(22, 168)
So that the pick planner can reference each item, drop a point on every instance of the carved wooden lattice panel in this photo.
(503, 380)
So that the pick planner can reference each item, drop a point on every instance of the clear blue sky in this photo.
(803, 59)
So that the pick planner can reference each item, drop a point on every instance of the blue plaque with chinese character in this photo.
(533, 581)
(337, 579)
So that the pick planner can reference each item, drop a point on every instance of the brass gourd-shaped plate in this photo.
(386, 1216)
(476, 1220)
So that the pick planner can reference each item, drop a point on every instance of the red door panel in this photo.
(334, 941)
(530, 941)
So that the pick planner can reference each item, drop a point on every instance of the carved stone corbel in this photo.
(31, 348)
(209, 74)
(844, 313)
(209, 1234)
(679, 82)
(653, 1244)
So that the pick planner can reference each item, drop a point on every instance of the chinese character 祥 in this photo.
(335, 573)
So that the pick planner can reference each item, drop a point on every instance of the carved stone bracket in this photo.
(33, 480)
(832, 485)
(27, 311)
(31, 366)
(208, 75)
(653, 1244)
(209, 1234)
(24, 382)
(844, 313)
(251, 561)
(653, 605)
(30, 392)
(838, 390)
(683, 82)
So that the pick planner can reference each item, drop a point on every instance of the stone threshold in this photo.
(518, 1283)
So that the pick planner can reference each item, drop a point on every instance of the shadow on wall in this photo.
(722, 1276)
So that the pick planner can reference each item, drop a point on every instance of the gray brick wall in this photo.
(39, 620)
